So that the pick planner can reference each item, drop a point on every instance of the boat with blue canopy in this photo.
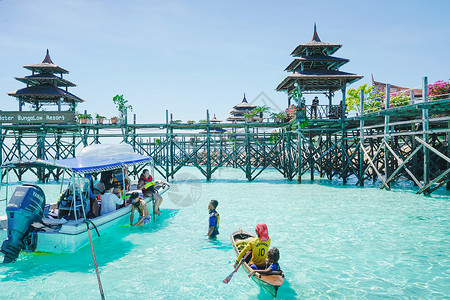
(33, 225)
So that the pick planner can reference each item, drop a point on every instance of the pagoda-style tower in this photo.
(315, 71)
(242, 108)
(43, 86)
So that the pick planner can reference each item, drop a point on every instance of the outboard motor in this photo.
(25, 207)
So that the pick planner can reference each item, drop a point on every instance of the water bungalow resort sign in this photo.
(37, 117)
(45, 86)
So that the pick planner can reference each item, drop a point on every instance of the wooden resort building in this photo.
(315, 71)
(237, 115)
(45, 86)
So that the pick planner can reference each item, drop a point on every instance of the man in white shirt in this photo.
(109, 201)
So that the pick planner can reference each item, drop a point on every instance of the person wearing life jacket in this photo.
(273, 255)
(259, 246)
(214, 219)
(147, 185)
(121, 182)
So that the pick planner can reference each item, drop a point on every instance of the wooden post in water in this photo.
(361, 140)
(386, 132)
(311, 159)
(426, 128)
(344, 138)
(299, 150)
(448, 153)
(208, 148)
(248, 167)
(166, 147)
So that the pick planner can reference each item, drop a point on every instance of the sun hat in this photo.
(261, 229)
(100, 186)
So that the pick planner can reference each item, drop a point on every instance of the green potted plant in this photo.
(122, 105)
(202, 121)
(83, 118)
(114, 120)
(100, 119)
(157, 142)
(249, 116)
(279, 117)
(191, 122)
(259, 111)
(176, 121)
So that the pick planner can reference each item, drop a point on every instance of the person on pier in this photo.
(314, 106)
(147, 185)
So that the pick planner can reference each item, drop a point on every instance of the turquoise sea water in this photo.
(335, 241)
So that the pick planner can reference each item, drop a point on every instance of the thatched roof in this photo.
(44, 93)
(47, 66)
(244, 105)
(38, 79)
(318, 80)
(318, 61)
(315, 46)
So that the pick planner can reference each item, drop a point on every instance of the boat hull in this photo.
(271, 283)
(73, 235)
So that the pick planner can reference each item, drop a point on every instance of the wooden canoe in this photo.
(270, 282)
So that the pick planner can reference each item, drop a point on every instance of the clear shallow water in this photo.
(335, 241)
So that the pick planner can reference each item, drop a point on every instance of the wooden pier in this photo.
(403, 143)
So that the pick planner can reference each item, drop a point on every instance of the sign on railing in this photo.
(37, 117)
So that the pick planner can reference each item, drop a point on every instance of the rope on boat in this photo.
(93, 256)
(95, 227)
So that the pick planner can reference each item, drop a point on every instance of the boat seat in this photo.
(53, 222)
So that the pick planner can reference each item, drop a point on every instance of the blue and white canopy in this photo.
(94, 158)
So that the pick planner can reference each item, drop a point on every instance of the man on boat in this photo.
(147, 185)
(141, 207)
(258, 246)
(214, 219)
(109, 201)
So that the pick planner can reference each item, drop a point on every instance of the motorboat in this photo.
(62, 226)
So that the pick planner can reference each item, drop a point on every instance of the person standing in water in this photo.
(141, 207)
(214, 219)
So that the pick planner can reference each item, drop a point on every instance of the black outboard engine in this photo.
(25, 207)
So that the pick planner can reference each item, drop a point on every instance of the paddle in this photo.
(226, 280)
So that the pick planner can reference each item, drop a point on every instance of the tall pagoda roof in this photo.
(47, 66)
(318, 80)
(314, 70)
(315, 46)
(317, 61)
(46, 77)
(45, 94)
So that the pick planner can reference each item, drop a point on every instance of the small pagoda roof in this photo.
(244, 105)
(317, 61)
(318, 80)
(44, 93)
(239, 111)
(236, 118)
(214, 120)
(315, 46)
(37, 79)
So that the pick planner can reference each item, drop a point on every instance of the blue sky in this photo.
(190, 56)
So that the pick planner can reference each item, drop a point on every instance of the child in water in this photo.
(273, 255)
